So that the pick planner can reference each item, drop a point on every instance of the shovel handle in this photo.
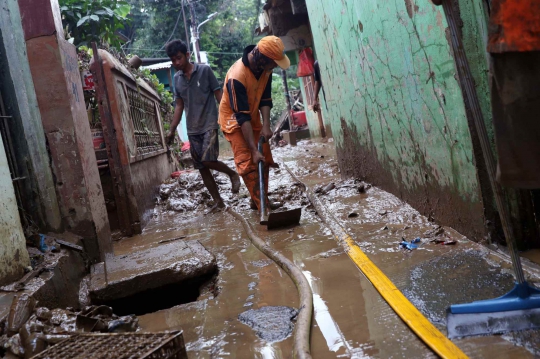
(262, 140)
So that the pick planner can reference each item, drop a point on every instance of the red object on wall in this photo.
(305, 65)
(514, 26)
(98, 140)
(299, 118)
(87, 80)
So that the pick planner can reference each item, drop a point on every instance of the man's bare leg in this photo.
(222, 167)
(212, 187)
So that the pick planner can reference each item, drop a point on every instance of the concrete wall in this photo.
(395, 105)
(142, 169)
(147, 176)
(26, 129)
(13, 255)
(55, 72)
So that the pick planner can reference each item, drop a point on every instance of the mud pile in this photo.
(30, 329)
(187, 194)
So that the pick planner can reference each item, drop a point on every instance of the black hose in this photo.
(303, 321)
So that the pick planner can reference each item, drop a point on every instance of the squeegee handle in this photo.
(261, 180)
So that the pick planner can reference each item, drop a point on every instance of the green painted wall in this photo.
(395, 105)
(20, 100)
(13, 254)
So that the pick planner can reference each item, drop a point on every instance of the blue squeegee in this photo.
(520, 308)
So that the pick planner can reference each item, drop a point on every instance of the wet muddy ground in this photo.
(350, 319)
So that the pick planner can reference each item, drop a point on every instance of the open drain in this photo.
(120, 346)
(165, 297)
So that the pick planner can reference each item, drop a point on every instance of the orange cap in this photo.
(272, 47)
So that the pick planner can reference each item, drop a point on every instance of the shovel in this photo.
(274, 219)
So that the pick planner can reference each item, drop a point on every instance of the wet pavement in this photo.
(350, 318)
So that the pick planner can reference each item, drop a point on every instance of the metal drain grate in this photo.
(118, 346)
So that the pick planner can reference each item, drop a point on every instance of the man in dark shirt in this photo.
(195, 87)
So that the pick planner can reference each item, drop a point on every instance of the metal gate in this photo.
(7, 137)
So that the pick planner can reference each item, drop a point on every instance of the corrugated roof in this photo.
(159, 66)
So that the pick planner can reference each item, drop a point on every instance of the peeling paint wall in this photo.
(57, 81)
(26, 129)
(13, 255)
(395, 105)
(147, 176)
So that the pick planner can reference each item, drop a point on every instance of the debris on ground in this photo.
(411, 244)
(270, 323)
(328, 188)
(444, 241)
(30, 329)
(262, 263)
(186, 193)
(435, 232)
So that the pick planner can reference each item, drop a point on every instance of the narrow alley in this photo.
(269, 179)
(350, 318)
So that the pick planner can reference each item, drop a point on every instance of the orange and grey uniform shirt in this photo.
(243, 95)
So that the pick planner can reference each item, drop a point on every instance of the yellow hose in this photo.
(415, 320)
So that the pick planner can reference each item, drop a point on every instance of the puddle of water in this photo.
(350, 319)
(533, 255)
(329, 328)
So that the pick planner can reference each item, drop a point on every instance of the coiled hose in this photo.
(303, 322)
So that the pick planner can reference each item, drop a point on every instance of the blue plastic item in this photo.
(43, 247)
(409, 245)
(522, 297)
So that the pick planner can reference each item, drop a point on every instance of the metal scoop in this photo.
(274, 219)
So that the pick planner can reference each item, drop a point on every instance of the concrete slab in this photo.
(129, 274)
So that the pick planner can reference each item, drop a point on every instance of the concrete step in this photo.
(129, 274)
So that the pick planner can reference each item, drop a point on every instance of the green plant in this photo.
(85, 21)
(152, 79)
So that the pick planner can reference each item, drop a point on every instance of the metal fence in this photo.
(143, 112)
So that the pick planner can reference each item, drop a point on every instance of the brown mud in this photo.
(350, 317)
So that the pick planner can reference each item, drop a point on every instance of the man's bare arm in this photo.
(177, 117)
(218, 94)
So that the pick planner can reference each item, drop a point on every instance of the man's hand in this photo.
(169, 139)
(266, 132)
(257, 157)
(316, 106)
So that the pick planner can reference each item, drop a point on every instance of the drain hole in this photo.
(163, 297)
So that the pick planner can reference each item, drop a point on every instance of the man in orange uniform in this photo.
(247, 96)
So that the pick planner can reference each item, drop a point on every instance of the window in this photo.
(143, 112)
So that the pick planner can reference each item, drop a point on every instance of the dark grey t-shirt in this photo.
(198, 97)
